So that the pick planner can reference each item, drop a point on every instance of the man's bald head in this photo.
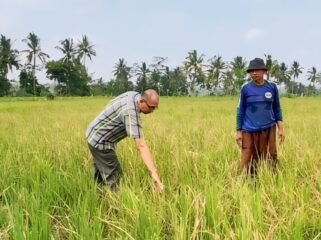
(151, 96)
(149, 101)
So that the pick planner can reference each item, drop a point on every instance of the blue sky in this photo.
(139, 30)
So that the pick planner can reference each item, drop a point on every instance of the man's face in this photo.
(257, 74)
(148, 107)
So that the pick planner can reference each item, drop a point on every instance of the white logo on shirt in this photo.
(268, 95)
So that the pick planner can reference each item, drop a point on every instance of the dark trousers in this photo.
(107, 167)
(258, 146)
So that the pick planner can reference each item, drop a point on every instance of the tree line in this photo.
(196, 75)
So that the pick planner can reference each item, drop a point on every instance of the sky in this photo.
(139, 30)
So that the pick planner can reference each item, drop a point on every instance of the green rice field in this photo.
(47, 189)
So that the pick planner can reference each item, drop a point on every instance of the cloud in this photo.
(254, 34)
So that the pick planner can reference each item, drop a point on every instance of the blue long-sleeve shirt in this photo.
(259, 107)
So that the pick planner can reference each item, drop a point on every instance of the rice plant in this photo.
(47, 189)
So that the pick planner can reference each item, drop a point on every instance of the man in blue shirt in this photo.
(258, 113)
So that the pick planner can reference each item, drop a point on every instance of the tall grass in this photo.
(47, 189)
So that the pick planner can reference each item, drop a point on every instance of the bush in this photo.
(50, 96)
(291, 95)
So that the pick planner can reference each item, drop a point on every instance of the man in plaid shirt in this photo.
(119, 119)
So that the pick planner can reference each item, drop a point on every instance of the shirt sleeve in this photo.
(133, 124)
(276, 105)
(240, 111)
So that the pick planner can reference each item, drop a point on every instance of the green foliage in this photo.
(47, 189)
(282, 74)
(27, 80)
(116, 86)
(155, 79)
(72, 77)
(8, 56)
(98, 88)
(142, 73)
(34, 50)
(50, 96)
(57, 71)
(238, 72)
(68, 49)
(215, 71)
(290, 95)
(4, 86)
(174, 83)
(122, 75)
(85, 49)
(27, 88)
(218, 77)
(194, 68)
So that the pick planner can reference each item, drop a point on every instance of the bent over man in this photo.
(119, 119)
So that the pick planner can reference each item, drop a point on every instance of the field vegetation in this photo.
(47, 189)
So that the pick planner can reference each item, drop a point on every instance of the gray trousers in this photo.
(107, 167)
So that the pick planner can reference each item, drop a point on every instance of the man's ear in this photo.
(139, 103)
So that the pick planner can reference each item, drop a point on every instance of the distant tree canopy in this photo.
(4, 86)
(71, 77)
(33, 52)
(8, 56)
(29, 83)
(195, 76)
(8, 61)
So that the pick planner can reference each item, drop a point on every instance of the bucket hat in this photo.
(256, 64)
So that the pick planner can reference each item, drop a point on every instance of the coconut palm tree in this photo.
(194, 68)
(8, 56)
(228, 82)
(68, 49)
(269, 63)
(142, 73)
(312, 76)
(157, 70)
(122, 74)
(34, 52)
(282, 74)
(177, 82)
(85, 49)
(318, 78)
(215, 70)
(274, 70)
(238, 68)
(295, 71)
(121, 68)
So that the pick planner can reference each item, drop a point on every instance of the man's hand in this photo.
(281, 132)
(148, 160)
(281, 135)
(157, 182)
(238, 138)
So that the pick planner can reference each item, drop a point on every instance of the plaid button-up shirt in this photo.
(119, 119)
